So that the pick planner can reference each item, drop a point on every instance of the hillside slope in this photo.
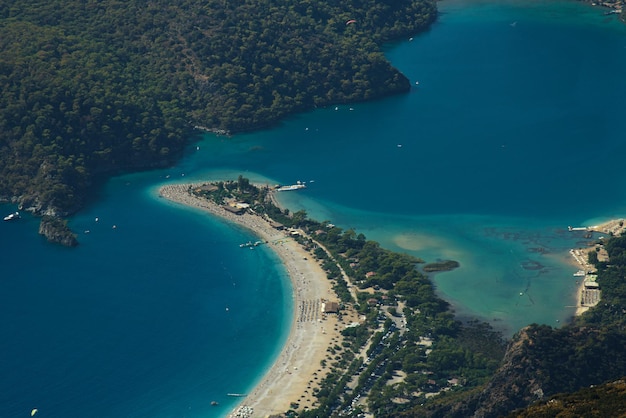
(90, 88)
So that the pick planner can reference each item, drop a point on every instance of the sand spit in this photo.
(297, 370)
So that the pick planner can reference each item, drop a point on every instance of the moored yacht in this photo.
(12, 216)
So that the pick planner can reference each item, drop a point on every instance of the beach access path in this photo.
(298, 368)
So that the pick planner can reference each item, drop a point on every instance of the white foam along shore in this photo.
(297, 369)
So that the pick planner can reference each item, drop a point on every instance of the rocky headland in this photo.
(56, 230)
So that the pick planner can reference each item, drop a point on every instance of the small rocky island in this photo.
(56, 230)
(441, 265)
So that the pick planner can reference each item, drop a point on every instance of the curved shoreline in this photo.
(612, 227)
(289, 379)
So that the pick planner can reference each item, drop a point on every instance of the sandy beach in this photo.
(581, 256)
(297, 370)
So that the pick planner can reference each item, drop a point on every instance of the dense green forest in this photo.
(90, 88)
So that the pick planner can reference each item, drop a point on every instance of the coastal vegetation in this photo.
(410, 356)
(89, 89)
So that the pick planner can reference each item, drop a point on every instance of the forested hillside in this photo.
(607, 400)
(94, 87)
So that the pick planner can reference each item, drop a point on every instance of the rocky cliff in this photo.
(56, 230)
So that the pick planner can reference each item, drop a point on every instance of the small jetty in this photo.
(578, 228)
(613, 227)
(297, 186)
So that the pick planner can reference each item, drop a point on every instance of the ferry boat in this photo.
(12, 216)
(298, 185)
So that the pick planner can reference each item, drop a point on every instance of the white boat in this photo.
(298, 185)
(12, 216)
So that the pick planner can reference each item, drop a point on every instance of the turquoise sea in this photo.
(513, 133)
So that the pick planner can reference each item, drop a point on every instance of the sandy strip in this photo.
(613, 227)
(297, 370)
(581, 255)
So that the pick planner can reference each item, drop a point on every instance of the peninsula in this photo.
(313, 330)
(360, 311)
(370, 336)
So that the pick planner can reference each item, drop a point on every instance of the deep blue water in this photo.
(157, 317)
(512, 134)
